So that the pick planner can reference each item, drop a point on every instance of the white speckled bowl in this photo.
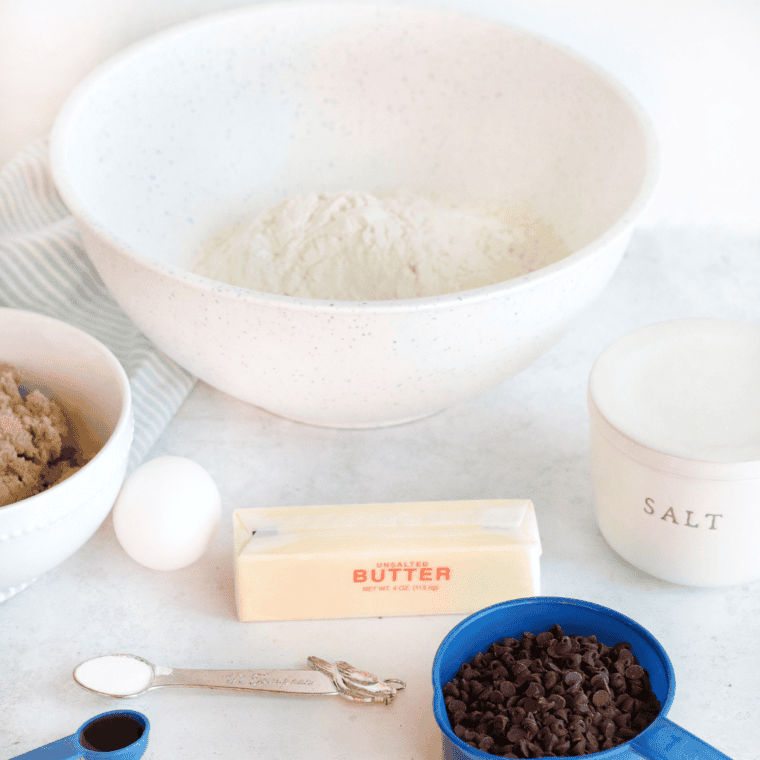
(239, 110)
(86, 379)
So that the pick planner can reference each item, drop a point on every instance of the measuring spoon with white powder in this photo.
(127, 675)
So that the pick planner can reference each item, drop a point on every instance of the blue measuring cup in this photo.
(661, 740)
(115, 735)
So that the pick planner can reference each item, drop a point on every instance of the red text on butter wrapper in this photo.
(378, 575)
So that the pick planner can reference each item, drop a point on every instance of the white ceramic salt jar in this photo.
(675, 449)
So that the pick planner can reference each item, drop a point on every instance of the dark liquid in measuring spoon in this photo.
(111, 733)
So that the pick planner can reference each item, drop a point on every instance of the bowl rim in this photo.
(65, 122)
(10, 511)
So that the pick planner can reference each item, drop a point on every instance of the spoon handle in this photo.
(272, 681)
(325, 678)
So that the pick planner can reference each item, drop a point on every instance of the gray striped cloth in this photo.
(43, 268)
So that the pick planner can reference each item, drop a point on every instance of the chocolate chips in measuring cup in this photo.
(550, 695)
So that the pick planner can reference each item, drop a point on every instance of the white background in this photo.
(695, 66)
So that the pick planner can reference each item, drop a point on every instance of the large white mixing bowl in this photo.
(240, 110)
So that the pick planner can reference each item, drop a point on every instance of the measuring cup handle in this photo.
(67, 748)
(664, 740)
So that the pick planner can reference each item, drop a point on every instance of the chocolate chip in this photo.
(580, 704)
(530, 725)
(617, 681)
(558, 728)
(545, 736)
(456, 705)
(485, 743)
(634, 672)
(622, 719)
(544, 639)
(516, 734)
(535, 690)
(627, 703)
(562, 747)
(600, 698)
(590, 657)
(542, 704)
(600, 681)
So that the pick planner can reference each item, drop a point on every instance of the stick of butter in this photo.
(366, 560)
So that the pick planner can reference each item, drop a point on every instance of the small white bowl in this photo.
(88, 382)
(224, 116)
(675, 450)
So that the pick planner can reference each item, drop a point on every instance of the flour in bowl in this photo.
(356, 246)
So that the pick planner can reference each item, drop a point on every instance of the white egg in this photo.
(167, 513)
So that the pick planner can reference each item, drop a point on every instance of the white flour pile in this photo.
(358, 247)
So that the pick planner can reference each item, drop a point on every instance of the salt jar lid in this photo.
(683, 396)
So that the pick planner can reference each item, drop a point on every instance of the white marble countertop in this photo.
(526, 438)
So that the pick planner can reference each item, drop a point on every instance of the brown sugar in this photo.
(34, 453)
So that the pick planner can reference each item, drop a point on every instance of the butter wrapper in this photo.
(369, 560)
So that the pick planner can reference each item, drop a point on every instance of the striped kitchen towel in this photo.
(43, 268)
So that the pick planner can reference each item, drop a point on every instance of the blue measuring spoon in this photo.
(115, 735)
(661, 740)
